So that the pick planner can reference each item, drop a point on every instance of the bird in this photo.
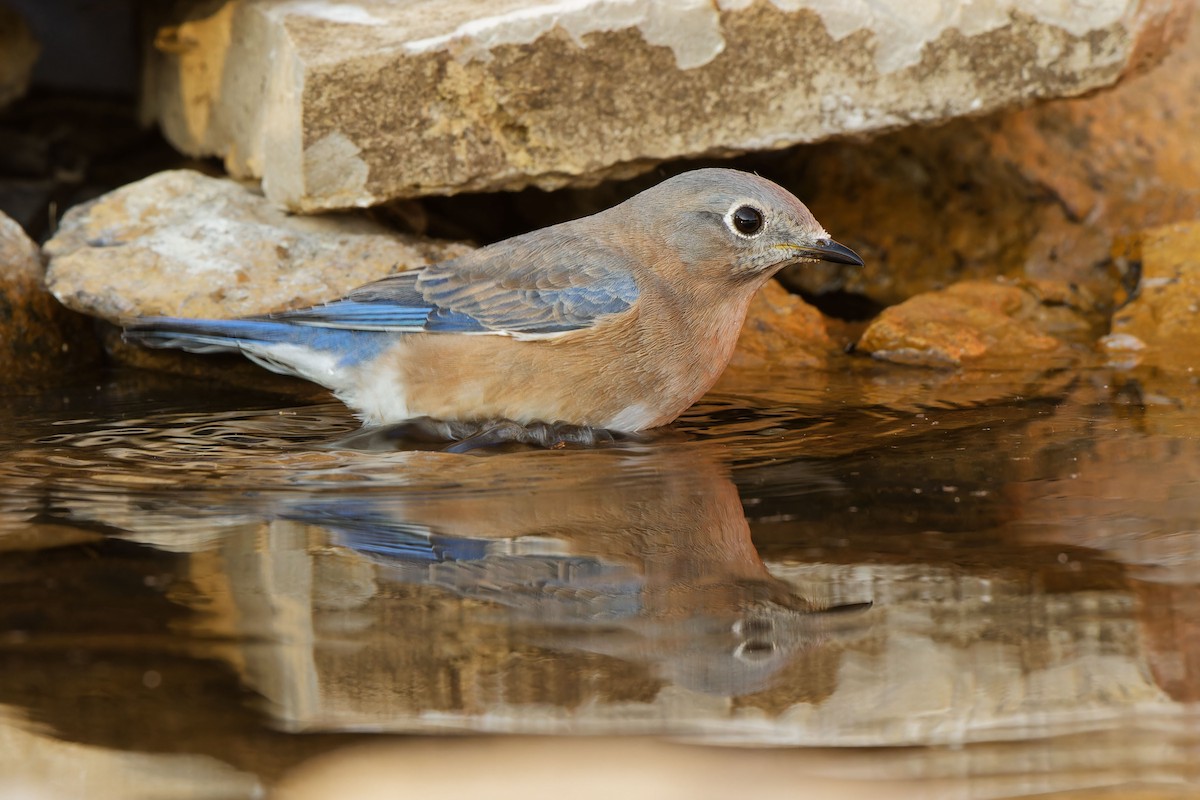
(618, 321)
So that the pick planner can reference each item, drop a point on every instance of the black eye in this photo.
(748, 220)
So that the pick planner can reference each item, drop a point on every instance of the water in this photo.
(986, 581)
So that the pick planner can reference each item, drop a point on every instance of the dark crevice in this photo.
(843, 305)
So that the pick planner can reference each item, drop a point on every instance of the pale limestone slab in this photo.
(352, 103)
(185, 244)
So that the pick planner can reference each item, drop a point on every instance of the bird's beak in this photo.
(829, 250)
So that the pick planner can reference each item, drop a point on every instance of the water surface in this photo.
(990, 578)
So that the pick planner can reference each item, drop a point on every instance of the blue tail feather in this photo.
(255, 337)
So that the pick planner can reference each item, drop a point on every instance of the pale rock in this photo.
(184, 244)
(339, 104)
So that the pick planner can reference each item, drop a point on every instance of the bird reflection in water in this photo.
(643, 555)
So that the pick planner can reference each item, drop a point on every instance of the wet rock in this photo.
(781, 330)
(37, 335)
(1161, 325)
(1040, 193)
(181, 243)
(338, 105)
(979, 323)
(18, 52)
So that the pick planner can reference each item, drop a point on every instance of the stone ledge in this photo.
(354, 103)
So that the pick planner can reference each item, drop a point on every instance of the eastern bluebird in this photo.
(618, 321)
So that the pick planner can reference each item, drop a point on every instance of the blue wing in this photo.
(548, 282)
(538, 283)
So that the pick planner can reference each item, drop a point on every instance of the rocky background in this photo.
(1023, 180)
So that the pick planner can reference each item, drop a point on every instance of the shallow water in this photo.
(987, 578)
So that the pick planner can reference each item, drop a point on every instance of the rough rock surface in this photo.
(18, 52)
(36, 333)
(181, 243)
(1039, 193)
(781, 330)
(1161, 325)
(978, 323)
(338, 104)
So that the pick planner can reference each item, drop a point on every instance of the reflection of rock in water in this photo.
(659, 571)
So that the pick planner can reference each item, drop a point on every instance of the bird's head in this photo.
(733, 226)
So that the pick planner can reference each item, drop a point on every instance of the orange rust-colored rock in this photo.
(977, 323)
(1161, 325)
(781, 330)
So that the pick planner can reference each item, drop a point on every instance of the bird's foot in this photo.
(463, 437)
(550, 436)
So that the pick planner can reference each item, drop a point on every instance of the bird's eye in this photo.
(748, 220)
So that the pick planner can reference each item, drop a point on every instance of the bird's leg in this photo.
(538, 434)
(463, 437)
